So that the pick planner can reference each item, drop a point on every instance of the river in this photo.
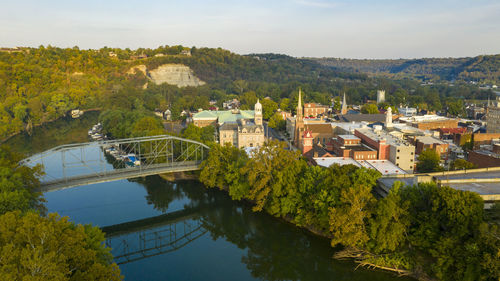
(160, 230)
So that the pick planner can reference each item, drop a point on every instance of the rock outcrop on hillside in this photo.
(173, 74)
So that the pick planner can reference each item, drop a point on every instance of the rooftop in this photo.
(425, 119)
(430, 140)
(385, 167)
(371, 118)
(224, 115)
(349, 137)
(381, 135)
(328, 161)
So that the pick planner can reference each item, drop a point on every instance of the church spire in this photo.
(299, 106)
(344, 106)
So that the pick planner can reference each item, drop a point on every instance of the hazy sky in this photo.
(336, 28)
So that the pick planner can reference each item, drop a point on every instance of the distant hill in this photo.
(482, 69)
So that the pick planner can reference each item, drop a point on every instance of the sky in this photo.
(300, 28)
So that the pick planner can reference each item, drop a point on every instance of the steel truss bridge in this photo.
(140, 239)
(79, 164)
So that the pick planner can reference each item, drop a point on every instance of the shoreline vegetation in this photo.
(6, 139)
(424, 231)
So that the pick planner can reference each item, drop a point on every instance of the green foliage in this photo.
(52, 248)
(204, 135)
(428, 161)
(272, 174)
(439, 230)
(277, 122)
(120, 123)
(18, 183)
(348, 218)
(444, 227)
(390, 222)
(481, 68)
(370, 108)
(461, 164)
(269, 107)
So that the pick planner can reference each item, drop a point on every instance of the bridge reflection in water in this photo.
(140, 239)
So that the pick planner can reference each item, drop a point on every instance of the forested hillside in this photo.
(482, 69)
(38, 85)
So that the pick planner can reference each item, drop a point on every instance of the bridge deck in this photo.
(120, 174)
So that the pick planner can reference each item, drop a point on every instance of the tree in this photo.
(428, 161)
(389, 225)
(148, 126)
(348, 219)
(18, 183)
(277, 122)
(193, 132)
(285, 104)
(269, 107)
(370, 109)
(248, 100)
(52, 248)
(240, 86)
(272, 173)
(461, 164)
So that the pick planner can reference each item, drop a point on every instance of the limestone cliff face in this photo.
(141, 68)
(173, 74)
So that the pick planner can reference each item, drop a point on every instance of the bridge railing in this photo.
(126, 157)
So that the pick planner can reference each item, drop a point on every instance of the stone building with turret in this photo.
(244, 132)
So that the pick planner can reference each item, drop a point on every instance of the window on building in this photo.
(397, 157)
(399, 150)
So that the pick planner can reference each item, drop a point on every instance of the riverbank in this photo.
(360, 257)
(47, 122)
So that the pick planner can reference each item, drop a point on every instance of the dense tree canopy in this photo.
(18, 183)
(52, 248)
(434, 231)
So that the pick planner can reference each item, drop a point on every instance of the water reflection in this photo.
(270, 249)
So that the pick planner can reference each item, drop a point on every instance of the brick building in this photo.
(315, 110)
(428, 142)
(388, 147)
(484, 159)
(430, 122)
(351, 146)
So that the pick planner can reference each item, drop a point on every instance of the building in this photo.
(243, 132)
(428, 142)
(321, 132)
(383, 166)
(486, 157)
(407, 111)
(284, 114)
(369, 118)
(493, 117)
(380, 96)
(484, 182)
(315, 110)
(430, 122)
(290, 127)
(389, 147)
(351, 146)
(217, 118)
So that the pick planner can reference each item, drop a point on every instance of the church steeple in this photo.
(344, 106)
(299, 122)
(299, 106)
